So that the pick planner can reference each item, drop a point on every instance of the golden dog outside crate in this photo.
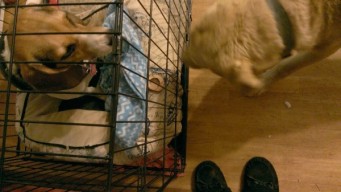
(253, 43)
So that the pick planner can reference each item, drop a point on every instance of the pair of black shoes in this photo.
(258, 176)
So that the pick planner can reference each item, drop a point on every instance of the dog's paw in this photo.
(253, 91)
(265, 79)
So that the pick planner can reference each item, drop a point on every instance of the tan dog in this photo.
(244, 40)
(43, 60)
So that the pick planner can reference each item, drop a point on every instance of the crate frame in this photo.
(108, 176)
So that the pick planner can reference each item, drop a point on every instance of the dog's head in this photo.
(49, 45)
(239, 73)
(214, 45)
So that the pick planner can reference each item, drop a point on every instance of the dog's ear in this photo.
(74, 19)
(12, 75)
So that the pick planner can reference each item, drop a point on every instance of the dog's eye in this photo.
(69, 50)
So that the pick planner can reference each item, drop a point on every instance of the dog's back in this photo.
(314, 21)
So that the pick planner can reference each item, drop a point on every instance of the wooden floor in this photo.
(302, 141)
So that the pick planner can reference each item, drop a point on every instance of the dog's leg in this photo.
(293, 63)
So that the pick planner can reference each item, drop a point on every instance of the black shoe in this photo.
(208, 177)
(259, 176)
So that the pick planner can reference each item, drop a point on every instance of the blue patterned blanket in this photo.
(131, 109)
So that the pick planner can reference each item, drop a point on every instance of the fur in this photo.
(42, 60)
(239, 40)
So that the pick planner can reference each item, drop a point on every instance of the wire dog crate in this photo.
(125, 133)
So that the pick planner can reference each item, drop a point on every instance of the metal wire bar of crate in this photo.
(22, 169)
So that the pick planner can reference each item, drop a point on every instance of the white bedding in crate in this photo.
(93, 140)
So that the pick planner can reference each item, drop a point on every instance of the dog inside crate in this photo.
(133, 88)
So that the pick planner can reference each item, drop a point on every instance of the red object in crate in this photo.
(53, 1)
